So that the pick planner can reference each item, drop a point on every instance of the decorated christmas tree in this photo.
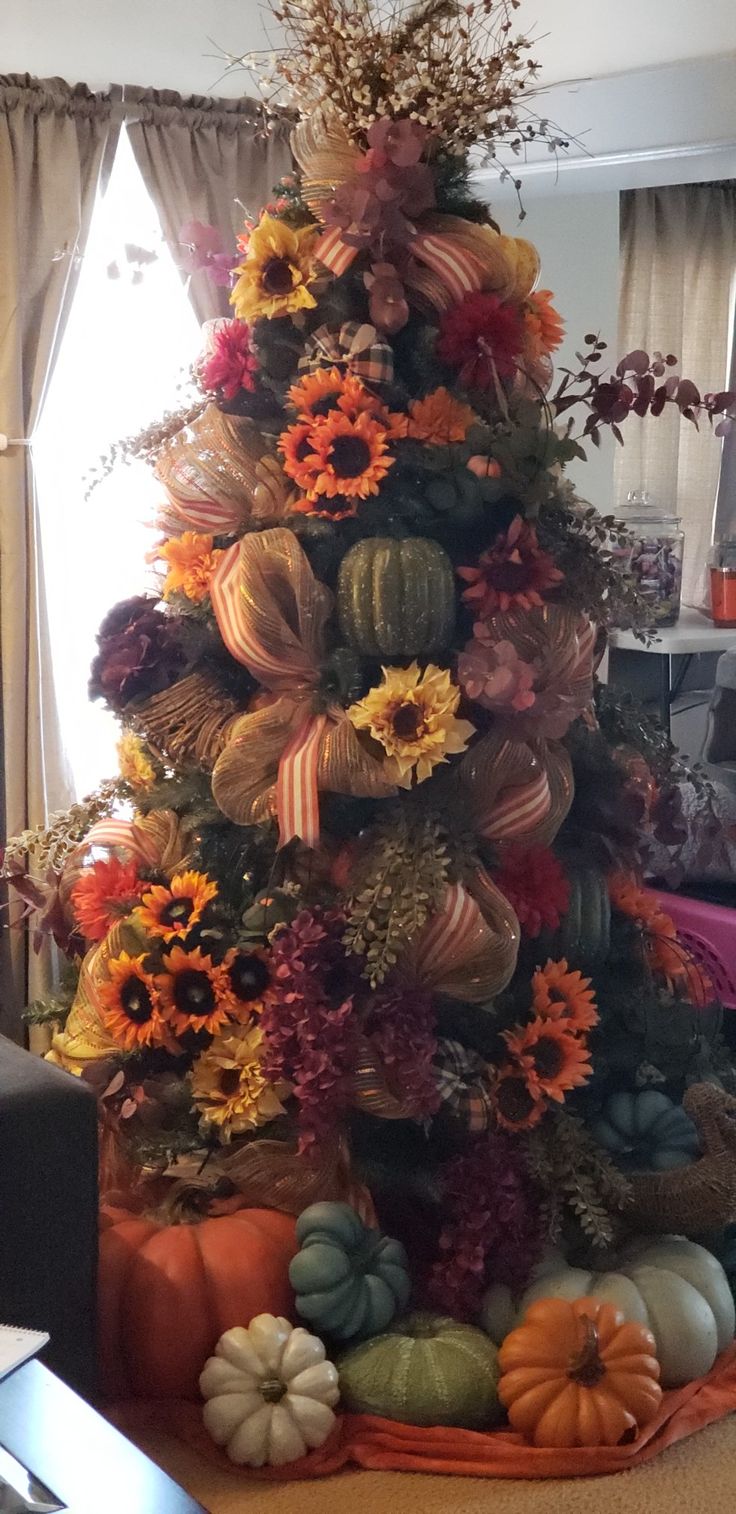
(363, 965)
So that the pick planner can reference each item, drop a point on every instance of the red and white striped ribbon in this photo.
(519, 810)
(449, 931)
(297, 798)
(127, 835)
(334, 252)
(461, 271)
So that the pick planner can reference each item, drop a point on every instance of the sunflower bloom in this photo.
(191, 562)
(664, 952)
(133, 762)
(512, 574)
(195, 992)
(553, 1059)
(229, 1086)
(439, 419)
(169, 910)
(317, 395)
(104, 894)
(412, 715)
(131, 1005)
(301, 462)
(278, 268)
(516, 1105)
(352, 456)
(545, 328)
(559, 994)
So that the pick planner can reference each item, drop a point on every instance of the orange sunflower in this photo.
(559, 994)
(318, 394)
(249, 978)
(515, 573)
(553, 1059)
(664, 952)
(516, 1105)
(439, 419)
(195, 992)
(131, 1005)
(352, 456)
(171, 910)
(301, 463)
(545, 328)
(103, 894)
(191, 561)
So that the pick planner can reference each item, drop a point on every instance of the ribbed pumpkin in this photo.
(646, 1131)
(583, 936)
(396, 598)
(167, 1293)
(425, 1370)
(674, 1287)
(349, 1280)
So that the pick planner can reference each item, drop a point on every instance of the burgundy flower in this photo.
(139, 654)
(536, 885)
(479, 336)
(400, 1026)
(228, 364)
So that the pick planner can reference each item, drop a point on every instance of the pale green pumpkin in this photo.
(425, 1370)
(396, 598)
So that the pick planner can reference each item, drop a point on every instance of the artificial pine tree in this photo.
(363, 920)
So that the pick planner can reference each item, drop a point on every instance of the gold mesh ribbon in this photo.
(370, 1090)
(559, 642)
(272, 613)
(272, 1175)
(190, 722)
(84, 1038)
(221, 473)
(468, 949)
(516, 791)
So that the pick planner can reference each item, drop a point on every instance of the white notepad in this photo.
(18, 1346)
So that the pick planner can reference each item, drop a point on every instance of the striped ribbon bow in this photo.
(271, 612)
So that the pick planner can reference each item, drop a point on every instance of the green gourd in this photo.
(396, 598)
(583, 936)
(425, 1370)
(349, 1281)
(646, 1131)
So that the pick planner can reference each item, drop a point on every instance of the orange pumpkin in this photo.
(574, 1374)
(168, 1292)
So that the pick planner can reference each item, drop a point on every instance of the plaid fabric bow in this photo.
(462, 1082)
(356, 347)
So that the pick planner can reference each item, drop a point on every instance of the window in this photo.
(131, 337)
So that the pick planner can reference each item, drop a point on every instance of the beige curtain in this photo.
(678, 259)
(205, 160)
(53, 142)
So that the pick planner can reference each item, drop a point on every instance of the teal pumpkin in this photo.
(646, 1131)
(396, 598)
(425, 1370)
(349, 1281)
(583, 936)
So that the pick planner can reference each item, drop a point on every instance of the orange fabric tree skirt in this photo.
(364, 1441)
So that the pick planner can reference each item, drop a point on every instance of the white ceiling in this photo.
(165, 42)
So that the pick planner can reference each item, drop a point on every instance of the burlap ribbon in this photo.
(272, 613)
(355, 348)
(468, 949)
(445, 257)
(220, 474)
(84, 1038)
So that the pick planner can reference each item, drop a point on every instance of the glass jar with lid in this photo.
(652, 556)
(722, 564)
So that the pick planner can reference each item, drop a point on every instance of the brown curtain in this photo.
(205, 160)
(678, 247)
(53, 145)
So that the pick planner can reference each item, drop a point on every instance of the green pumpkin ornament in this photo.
(396, 598)
(425, 1370)
(349, 1281)
(646, 1131)
(583, 936)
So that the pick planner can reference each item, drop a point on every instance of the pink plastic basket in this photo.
(708, 933)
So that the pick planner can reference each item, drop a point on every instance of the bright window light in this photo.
(131, 336)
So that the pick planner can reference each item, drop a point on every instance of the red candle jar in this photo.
(723, 583)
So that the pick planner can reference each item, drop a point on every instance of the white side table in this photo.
(694, 632)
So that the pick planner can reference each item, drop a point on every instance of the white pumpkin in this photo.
(675, 1288)
(270, 1392)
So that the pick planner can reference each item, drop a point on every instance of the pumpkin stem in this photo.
(272, 1390)
(586, 1368)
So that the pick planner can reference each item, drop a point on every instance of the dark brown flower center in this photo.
(177, 912)
(326, 404)
(193, 993)
(135, 999)
(349, 456)
(509, 576)
(277, 276)
(547, 1057)
(407, 721)
(248, 976)
(514, 1100)
(229, 1081)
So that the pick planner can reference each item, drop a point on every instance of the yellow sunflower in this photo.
(133, 762)
(230, 1087)
(171, 910)
(439, 419)
(352, 455)
(412, 715)
(191, 561)
(278, 268)
(131, 1005)
(195, 992)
